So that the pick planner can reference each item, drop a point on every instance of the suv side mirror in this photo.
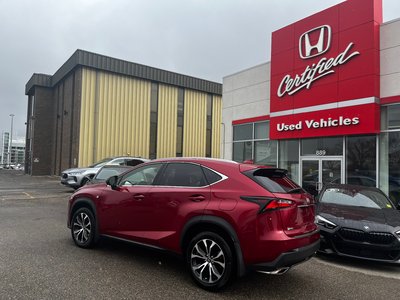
(112, 181)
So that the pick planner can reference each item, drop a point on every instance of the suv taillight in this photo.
(268, 204)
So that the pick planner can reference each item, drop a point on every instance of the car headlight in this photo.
(324, 222)
(398, 233)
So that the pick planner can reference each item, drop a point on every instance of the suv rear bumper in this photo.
(288, 259)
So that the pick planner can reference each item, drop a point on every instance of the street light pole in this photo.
(10, 142)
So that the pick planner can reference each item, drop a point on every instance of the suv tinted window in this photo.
(133, 162)
(211, 176)
(274, 180)
(141, 176)
(106, 173)
(118, 161)
(183, 174)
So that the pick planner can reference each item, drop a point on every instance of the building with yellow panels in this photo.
(96, 106)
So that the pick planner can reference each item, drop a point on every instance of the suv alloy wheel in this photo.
(83, 228)
(210, 261)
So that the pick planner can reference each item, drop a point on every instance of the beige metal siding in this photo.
(216, 127)
(115, 116)
(194, 124)
(167, 121)
(87, 114)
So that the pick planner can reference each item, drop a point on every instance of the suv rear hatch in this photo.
(295, 206)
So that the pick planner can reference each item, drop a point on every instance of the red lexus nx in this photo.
(224, 217)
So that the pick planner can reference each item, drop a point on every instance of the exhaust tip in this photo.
(279, 271)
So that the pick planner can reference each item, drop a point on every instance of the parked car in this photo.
(106, 172)
(222, 216)
(358, 221)
(78, 177)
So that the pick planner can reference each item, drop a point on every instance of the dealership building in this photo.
(96, 106)
(327, 105)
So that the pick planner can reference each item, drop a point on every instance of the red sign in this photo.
(320, 65)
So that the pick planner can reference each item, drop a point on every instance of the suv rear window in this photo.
(274, 180)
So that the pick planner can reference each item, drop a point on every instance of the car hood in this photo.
(358, 217)
(82, 170)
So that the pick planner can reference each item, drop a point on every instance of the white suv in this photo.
(78, 177)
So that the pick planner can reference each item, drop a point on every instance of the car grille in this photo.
(380, 238)
(365, 252)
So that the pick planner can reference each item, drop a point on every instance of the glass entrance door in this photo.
(315, 172)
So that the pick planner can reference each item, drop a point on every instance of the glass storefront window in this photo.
(390, 117)
(242, 151)
(389, 165)
(393, 116)
(265, 153)
(322, 146)
(289, 158)
(261, 130)
(361, 160)
(243, 132)
(250, 142)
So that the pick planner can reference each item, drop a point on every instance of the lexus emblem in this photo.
(315, 41)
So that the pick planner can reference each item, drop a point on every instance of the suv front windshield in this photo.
(352, 197)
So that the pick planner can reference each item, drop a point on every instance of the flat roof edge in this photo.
(38, 79)
(123, 67)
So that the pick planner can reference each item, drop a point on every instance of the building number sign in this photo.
(320, 152)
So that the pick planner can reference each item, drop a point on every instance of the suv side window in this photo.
(183, 174)
(118, 161)
(141, 176)
(132, 162)
(211, 176)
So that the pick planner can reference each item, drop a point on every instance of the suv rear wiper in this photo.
(295, 190)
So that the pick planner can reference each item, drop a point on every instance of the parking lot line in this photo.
(27, 194)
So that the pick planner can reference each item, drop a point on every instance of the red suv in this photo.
(223, 217)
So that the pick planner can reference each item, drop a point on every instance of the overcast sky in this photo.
(208, 39)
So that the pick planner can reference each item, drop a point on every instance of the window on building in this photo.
(251, 143)
(179, 129)
(153, 120)
(389, 152)
(289, 158)
(361, 159)
(328, 145)
(209, 126)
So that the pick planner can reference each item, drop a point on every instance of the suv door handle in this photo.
(197, 198)
(138, 197)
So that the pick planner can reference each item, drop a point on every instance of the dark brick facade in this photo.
(67, 95)
(41, 131)
(53, 126)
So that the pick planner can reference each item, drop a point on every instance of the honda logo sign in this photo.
(310, 47)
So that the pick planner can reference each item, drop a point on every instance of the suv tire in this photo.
(83, 228)
(210, 261)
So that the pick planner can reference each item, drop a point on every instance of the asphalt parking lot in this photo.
(38, 260)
